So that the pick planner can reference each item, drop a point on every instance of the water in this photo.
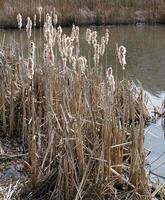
(145, 62)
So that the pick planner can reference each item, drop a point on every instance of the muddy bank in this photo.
(84, 12)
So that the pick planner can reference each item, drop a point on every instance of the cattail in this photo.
(102, 46)
(109, 73)
(51, 56)
(73, 33)
(59, 30)
(40, 13)
(102, 49)
(35, 20)
(94, 35)
(29, 27)
(30, 70)
(64, 61)
(110, 78)
(55, 19)
(74, 63)
(19, 21)
(32, 49)
(45, 52)
(122, 56)
(96, 54)
(68, 41)
(48, 30)
(48, 54)
(97, 49)
(54, 36)
(88, 36)
(48, 19)
(70, 51)
(77, 33)
(106, 36)
(82, 61)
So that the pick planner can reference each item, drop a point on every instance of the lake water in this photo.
(145, 63)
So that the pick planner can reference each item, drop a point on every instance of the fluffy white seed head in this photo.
(35, 20)
(29, 27)
(110, 78)
(32, 49)
(94, 35)
(45, 52)
(77, 33)
(55, 19)
(19, 20)
(107, 36)
(59, 34)
(54, 35)
(64, 62)
(40, 13)
(109, 72)
(51, 56)
(122, 56)
(102, 46)
(88, 36)
(97, 49)
(48, 19)
(74, 63)
(30, 68)
(82, 63)
(49, 30)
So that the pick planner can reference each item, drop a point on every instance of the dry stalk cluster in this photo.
(83, 131)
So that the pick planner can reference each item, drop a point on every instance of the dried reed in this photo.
(82, 129)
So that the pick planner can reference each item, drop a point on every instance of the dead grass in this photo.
(83, 131)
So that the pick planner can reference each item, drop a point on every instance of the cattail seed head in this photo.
(109, 72)
(82, 63)
(54, 35)
(64, 62)
(35, 20)
(19, 21)
(32, 49)
(30, 69)
(102, 46)
(122, 56)
(110, 78)
(55, 19)
(51, 56)
(45, 53)
(48, 19)
(107, 36)
(74, 63)
(97, 49)
(29, 27)
(94, 35)
(59, 30)
(77, 33)
(40, 13)
(88, 36)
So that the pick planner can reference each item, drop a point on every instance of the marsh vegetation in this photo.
(81, 124)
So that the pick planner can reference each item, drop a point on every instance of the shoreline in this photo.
(93, 25)
(87, 12)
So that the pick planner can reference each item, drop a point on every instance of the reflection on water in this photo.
(146, 63)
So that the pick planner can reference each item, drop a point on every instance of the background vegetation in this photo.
(83, 12)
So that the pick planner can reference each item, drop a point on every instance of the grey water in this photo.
(145, 63)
